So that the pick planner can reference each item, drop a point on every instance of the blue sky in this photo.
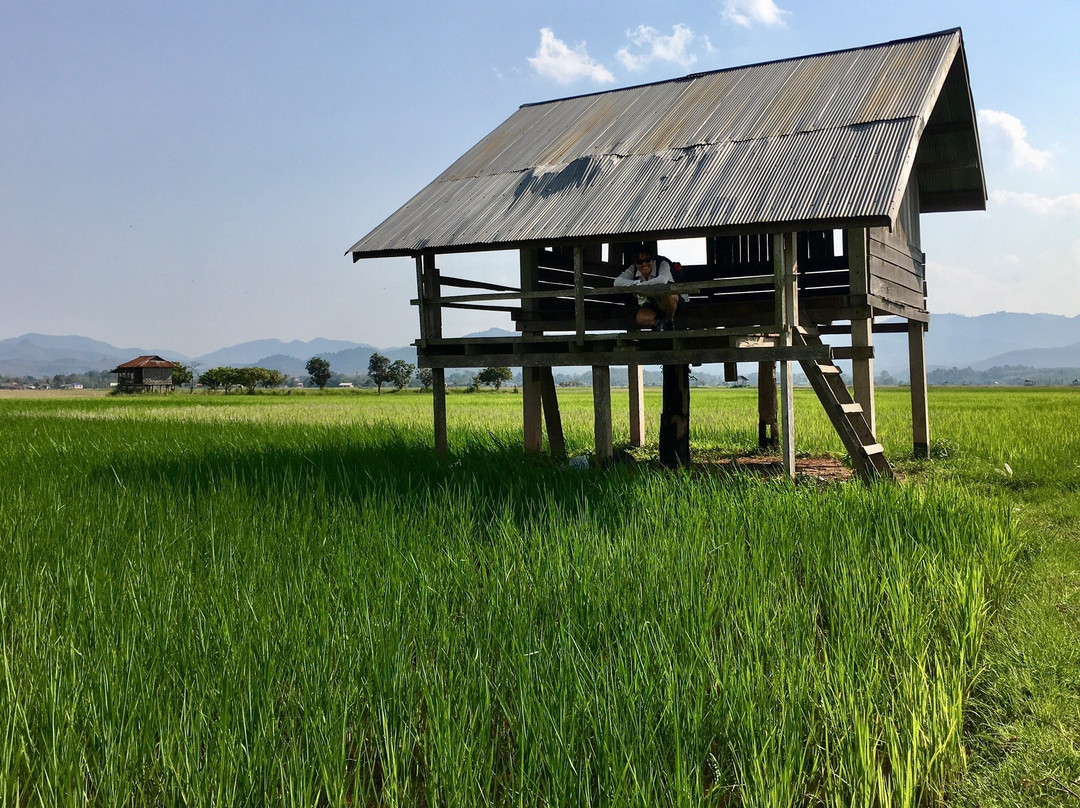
(188, 176)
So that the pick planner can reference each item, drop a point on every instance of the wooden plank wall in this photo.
(897, 269)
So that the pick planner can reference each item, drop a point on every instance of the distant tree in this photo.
(181, 374)
(426, 377)
(318, 371)
(401, 373)
(253, 377)
(378, 370)
(221, 377)
(494, 377)
(273, 378)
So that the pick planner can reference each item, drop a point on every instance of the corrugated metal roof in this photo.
(148, 361)
(828, 139)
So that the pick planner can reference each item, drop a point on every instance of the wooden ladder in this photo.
(866, 453)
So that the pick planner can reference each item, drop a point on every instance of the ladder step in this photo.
(828, 369)
(874, 449)
(852, 409)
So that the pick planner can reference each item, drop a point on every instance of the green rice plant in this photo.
(288, 600)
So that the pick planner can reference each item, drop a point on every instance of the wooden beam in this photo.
(605, 448)
(635, 381)
(920, 409)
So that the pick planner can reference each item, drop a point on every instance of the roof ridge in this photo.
(703, 73)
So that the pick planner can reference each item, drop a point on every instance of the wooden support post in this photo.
(605, 448)
(862, 329)
(438, 389)
(785, 274)
(421, 300)
(427, 281)
(431, 311)
(531, 408)
(552, 417)
(920, 409)
(768, 428)
(635, 381)
(675, 417)
(531, 378)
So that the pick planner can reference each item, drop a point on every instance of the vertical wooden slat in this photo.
(635, 381)
(920, 409)
(552, 417)
(605, 449)
(862, 328)
(579, 294)
(438, 389)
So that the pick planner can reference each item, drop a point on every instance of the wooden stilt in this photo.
(862, 329)
(635, 379)
(605, 449)
(531, 408)
(428, 290)
(675, 417)
(552, 417)
(438, 389)
(785, 269)
(920, 410)
(768, 407)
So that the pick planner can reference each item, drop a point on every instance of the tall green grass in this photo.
(286, 600)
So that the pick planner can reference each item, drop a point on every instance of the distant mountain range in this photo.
(982, 342)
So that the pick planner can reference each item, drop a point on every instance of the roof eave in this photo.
(659, 235)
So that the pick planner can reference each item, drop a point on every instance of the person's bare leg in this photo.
(668, 305)
(646, 318)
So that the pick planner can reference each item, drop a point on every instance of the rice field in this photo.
(250, 600)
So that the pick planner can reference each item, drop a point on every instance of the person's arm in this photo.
(661, 276)
(626, 278)
(663, 273)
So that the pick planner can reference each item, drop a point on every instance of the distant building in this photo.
(145, 374)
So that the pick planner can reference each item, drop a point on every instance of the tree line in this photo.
(381, 371)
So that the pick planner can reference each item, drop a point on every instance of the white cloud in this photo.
(1023, 154)
(653, 45)
(1042, 205)
(556, 60)
(749, 13)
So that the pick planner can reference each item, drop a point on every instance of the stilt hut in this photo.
(806, 177)
(145, 374)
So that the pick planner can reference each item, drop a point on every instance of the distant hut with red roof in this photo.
(145, 374)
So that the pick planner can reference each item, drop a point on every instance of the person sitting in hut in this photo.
(654, 310)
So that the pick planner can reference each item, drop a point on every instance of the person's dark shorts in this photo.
(654, 309)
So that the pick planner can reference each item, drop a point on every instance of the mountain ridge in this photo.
(954, 341)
